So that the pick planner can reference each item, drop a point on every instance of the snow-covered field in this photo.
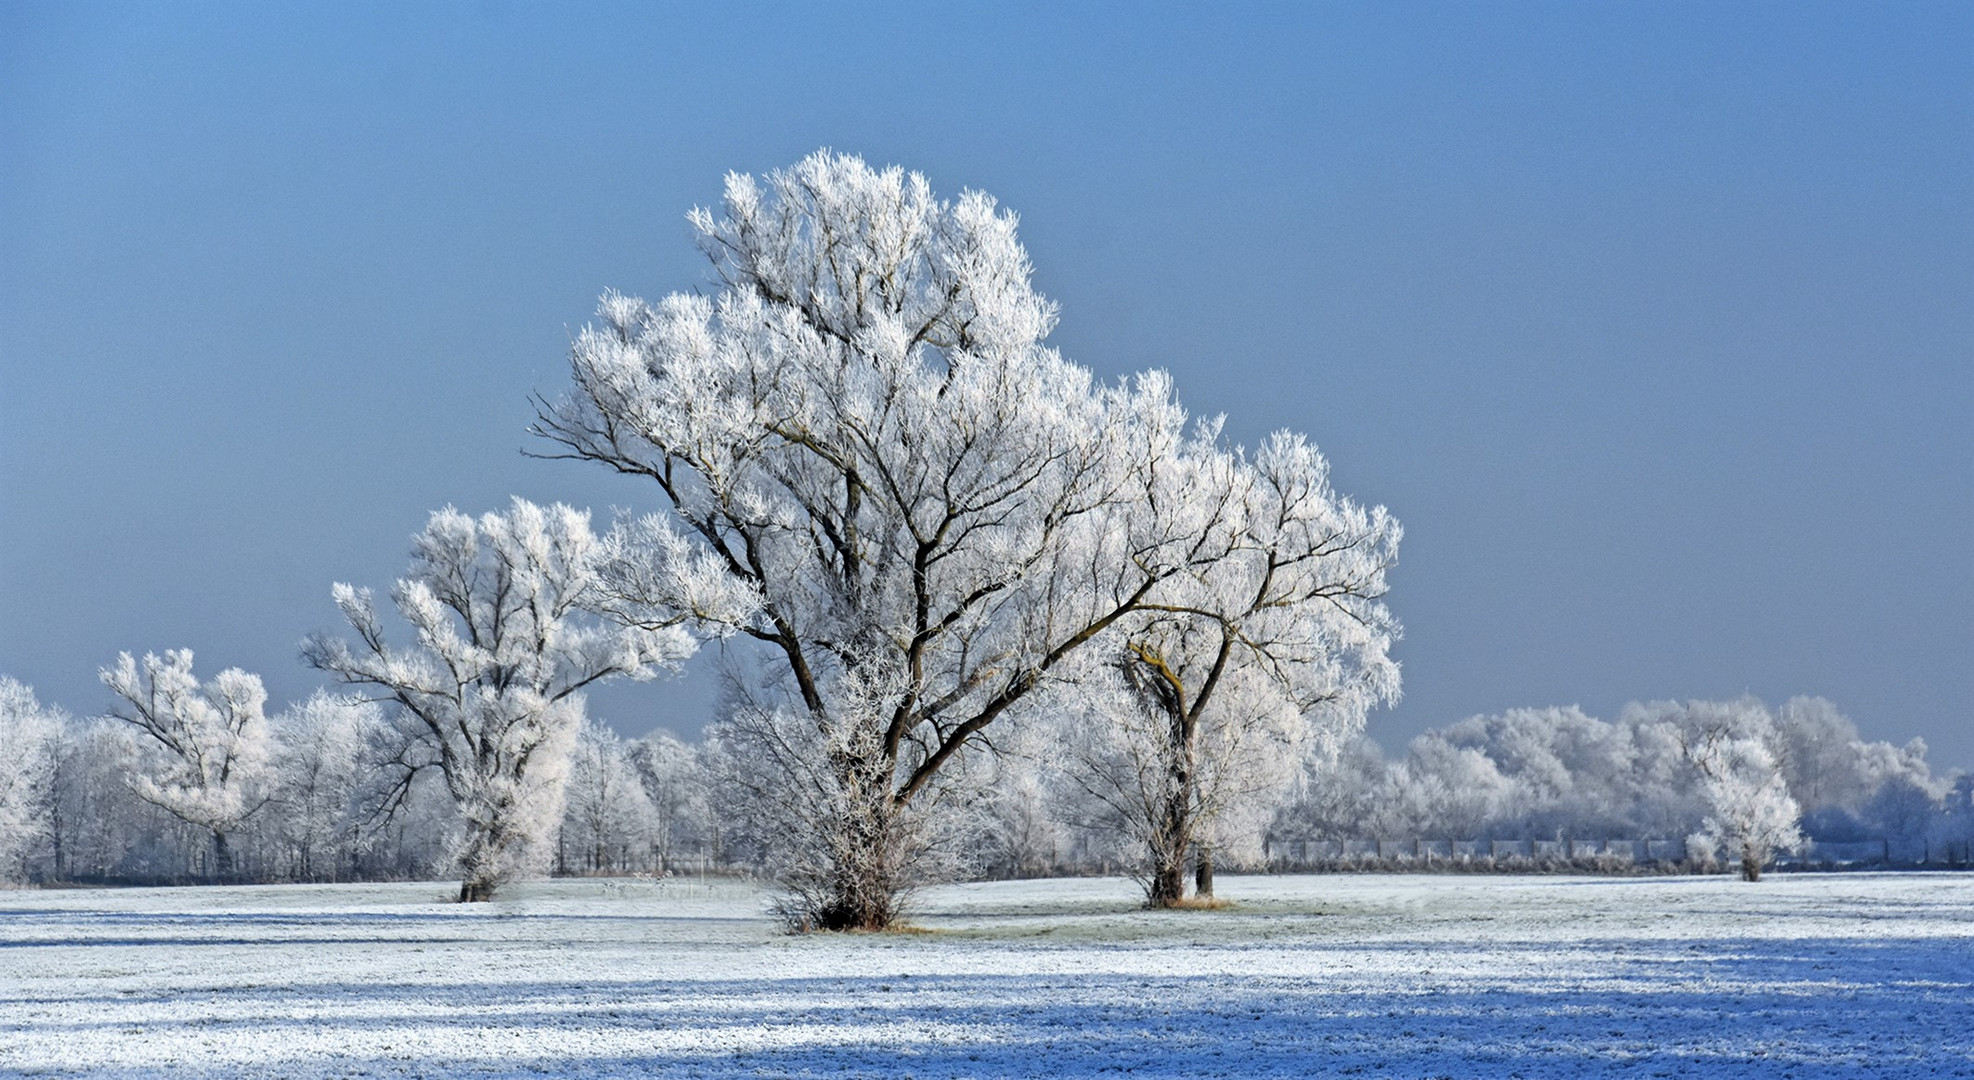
(1798, 976)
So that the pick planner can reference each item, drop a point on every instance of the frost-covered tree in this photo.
(1024, 827)
(326, 776)
(878, 472)
(29, 738)
(1567, 772)
(609, 819)
(1750, 813)
(1272, 637)
(1902, 810)
(1442, 789)
(202, 752)
(1336, 794)
(1956, 820)
(1820, 752)
(90, 828)
(493, 687)
(674, 779)
(1558, 773)
(1834, 773)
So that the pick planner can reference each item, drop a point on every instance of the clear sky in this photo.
(1654, 323)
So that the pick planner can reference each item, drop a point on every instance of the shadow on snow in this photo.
(1730, 1008)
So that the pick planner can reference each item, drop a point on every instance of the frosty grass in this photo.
(1858, 975)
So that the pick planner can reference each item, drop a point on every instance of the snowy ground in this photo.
(1853, 975)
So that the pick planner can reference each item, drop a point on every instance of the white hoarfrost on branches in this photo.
(1191, 727)
(1750, 813)
(200, 751)
(330, 788)
(493, 687)
(609, 817)
(877, 470)
(28, 736)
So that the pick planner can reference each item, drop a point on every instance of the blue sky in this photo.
(1653, 323)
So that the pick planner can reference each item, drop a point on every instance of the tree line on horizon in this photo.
(998, 614)
(326, 795)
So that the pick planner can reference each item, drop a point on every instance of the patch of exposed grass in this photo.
(1196, 903)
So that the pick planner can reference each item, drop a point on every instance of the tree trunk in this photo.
(1751, 864)
(1172, 830)
(1203, 873)
(1168, 885)
(55, 831)
(222, 857)
(480, 863)
(864, 896)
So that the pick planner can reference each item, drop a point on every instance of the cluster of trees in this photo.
(331, 789)
(1736, 779)
(322, 791)
(995, 613)
(938, 533)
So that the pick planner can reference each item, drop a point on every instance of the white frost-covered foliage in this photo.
(29, 738)
(1188, 729)
(674, 777)
(200, 751)
(877, 470)
(1558, 774)
(493, 687)
(1567, 772)
(1750, 814)
(609, 823)
(330, 784)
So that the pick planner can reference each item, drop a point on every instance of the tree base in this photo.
(1167, 888)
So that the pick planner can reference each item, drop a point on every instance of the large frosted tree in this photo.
(492, 689)
(878, 471)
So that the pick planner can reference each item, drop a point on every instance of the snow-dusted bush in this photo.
(815, 808)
